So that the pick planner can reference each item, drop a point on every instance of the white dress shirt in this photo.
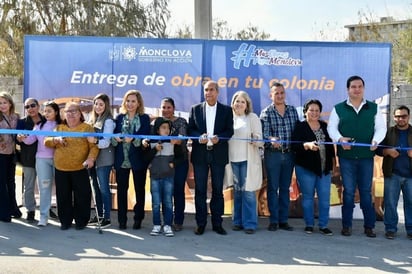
(210, 119)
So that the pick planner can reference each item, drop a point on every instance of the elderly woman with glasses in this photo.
(72, 155)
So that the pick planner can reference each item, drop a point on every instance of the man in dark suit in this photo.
(212, 123)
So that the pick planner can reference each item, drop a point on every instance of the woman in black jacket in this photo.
(315, 157)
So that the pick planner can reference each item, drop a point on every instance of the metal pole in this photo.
(203, 19)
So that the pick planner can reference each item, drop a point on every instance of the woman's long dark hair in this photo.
(56, 109)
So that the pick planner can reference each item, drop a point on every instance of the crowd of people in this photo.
(231, 145)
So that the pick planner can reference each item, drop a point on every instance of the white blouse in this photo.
(238, 143)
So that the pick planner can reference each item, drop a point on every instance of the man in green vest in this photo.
(357, 120)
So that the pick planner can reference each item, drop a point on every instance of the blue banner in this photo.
(81, 67)
(77, 68)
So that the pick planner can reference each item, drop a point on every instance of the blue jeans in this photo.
(279, 168)
(179, 191)
(245, 210)
(162, 193)
(103, 177)
(45, 178)
(392, 189)
(308, 183)
(357, 173)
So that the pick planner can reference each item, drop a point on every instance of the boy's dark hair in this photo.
(158, 122)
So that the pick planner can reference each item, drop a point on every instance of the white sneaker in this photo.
(167, 231)
(157, 230)
(42, 222)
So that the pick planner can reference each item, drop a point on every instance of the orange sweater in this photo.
(77, 150)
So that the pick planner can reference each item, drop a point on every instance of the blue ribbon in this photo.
(157, 137)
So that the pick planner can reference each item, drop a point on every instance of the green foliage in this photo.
(128, 18)
(404, 46)
(221, 30)
(252, 33)
(371, 29)
(185, 32)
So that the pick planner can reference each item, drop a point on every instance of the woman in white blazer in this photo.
(245, 162)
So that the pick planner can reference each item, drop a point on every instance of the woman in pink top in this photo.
(44, 159)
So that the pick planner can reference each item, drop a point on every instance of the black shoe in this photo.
(105, 223)
(65, 227)
(237, 227)
(16, 214)
(409, 236)
(369, 233)
(273, 227)
(200, 230)
(80, 227)
(137, 225)
(30, 216)
(6, 220)
(122, 226)
(309, 229)
(219, 230)
(53, 215)
(285, 226)
(177, 227)
(249, 231)
(346, 231)
(94, 220)
(390, 235)
(326, 231)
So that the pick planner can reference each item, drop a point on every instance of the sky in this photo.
(294, 20)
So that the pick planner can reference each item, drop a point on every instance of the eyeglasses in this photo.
(49, 103)
(404, 116)
(71, 111)
(32, 105)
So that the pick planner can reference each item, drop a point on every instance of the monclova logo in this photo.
(144, 54)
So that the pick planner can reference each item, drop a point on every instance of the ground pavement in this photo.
(26, 248)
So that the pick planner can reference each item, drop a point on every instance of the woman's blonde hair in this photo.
(9, 98)
(241, 93)
(140, 108)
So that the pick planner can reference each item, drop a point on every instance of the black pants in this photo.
(139, 181)
(73, 195)
(8, 203)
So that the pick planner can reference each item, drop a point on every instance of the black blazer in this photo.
(223, 129)
(307, 158)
